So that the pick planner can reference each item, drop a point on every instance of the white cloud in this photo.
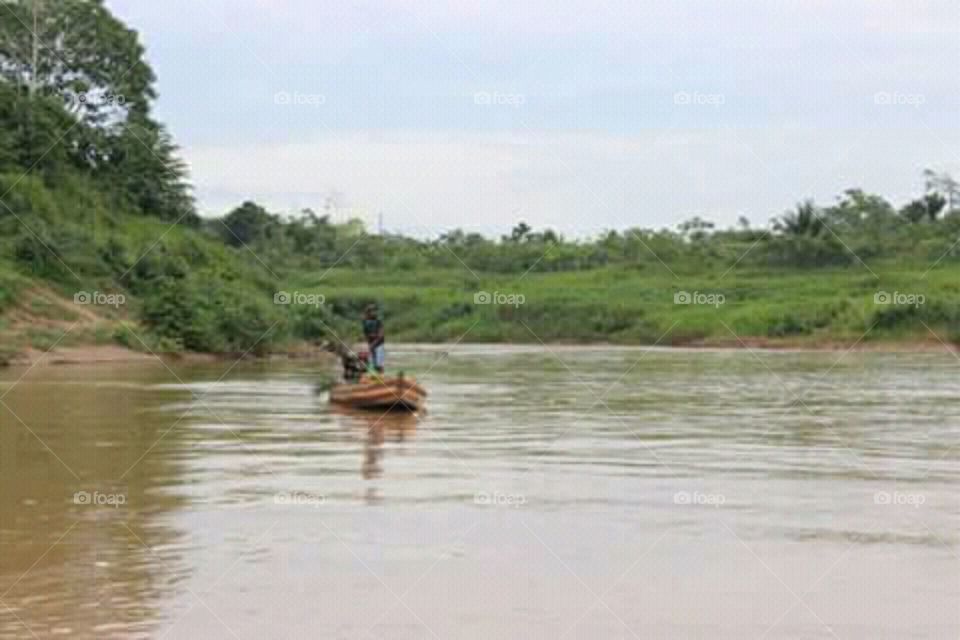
(817, 96)
(576, 182)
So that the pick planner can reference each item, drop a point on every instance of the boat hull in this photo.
(398, 394)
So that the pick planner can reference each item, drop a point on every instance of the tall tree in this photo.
(77, 53)
(945, 184)
(929, 207)
(77, 50)
(520, 232)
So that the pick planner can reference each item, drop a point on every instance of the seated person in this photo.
(355, 365)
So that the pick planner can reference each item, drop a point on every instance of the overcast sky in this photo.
(581, 116)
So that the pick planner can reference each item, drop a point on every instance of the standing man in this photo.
(373, 332)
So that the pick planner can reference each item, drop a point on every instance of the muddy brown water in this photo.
(561, 493)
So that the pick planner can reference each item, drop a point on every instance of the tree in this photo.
(929, 207)
(76, 50)
(696, 228)
(453, 238)
(857, 206)
(805, 220)
(247, 224)
(520, 232)
(142, 160)
(80, 90)
(32, 132)
(944, 184)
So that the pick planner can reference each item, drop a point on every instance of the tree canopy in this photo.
(76, 92)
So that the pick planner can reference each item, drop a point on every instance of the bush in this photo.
(953, 334)
(315, 323)
(205, 315)
(932, 313)
(140, 339)
(38, 254)
(789, 325)
(805, 251)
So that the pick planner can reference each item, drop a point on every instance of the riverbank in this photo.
(913, 345)
(898, 309)
(113, 354)
(193, 292)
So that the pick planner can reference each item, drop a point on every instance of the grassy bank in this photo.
(631, 306)
(157, 286)
(226, 302)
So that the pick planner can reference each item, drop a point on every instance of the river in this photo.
(547, 493)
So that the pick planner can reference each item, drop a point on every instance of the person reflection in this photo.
(373, 451)
(396, 427)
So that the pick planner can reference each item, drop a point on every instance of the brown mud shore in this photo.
(113, 354)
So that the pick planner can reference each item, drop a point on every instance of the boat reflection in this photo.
(377, 428)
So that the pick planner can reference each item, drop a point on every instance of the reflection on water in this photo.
(375, 428)
(570, 492)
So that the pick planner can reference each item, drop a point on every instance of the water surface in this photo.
(547, 493)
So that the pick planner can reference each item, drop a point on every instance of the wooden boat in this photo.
(383, 394)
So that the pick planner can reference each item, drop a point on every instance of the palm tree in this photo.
(804, 221)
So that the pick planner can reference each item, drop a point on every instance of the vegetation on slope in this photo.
(95, 210)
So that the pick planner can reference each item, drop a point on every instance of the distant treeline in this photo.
(859, 226)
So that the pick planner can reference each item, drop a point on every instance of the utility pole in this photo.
(380, 222)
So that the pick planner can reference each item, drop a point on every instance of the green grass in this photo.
(11, 283)
(622, 305)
